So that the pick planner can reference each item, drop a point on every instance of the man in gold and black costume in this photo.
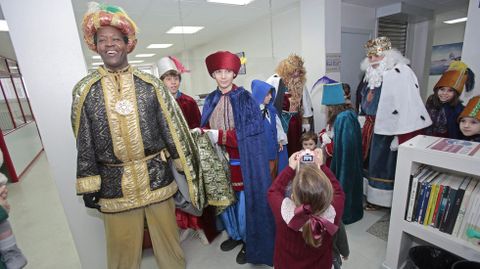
(130, 132)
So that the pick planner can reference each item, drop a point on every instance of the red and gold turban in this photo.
(99, 15)
(223, 60)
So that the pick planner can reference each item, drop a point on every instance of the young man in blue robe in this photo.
(236, 123)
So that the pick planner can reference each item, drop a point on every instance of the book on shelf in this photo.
(414, 184)
(470, 213)
(420, 193)
(456, 146)
(455, 208)
(432, 203)
(426, 189)
(411, 186)
(456, 181)
(441, 188)
(443, 202)
(447, 202)
(465, 202)
(432, 199)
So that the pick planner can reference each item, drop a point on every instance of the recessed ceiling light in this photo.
(159, 46)
(96, 57)
(455, 20)
(146, 55)
(97, 63)
(3, 26)
(232, 2)
(136, 61)
(184, 29)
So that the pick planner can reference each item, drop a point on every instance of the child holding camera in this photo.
(341, 249)
(306, 221)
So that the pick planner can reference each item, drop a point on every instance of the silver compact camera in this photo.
(307, 157)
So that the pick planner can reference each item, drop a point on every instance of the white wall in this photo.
(419, 51)
(49, 53)
(358, 24)
(470, 53)
(292, 33)
(333, 33)
(358, 17)
(6, 46)
(301, 28)
(447, 34)
(253, 39)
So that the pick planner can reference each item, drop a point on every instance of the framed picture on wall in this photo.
(243, 60)
(442, 55)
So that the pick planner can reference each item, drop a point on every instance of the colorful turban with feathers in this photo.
(99, 15)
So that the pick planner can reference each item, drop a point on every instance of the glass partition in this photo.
(14, 103)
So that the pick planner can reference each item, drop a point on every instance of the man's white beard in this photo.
(374, 76)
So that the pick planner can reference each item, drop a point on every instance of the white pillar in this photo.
(333, 32)
(312, 33)
(419, 52)
(47, 45)
(320, 34)
(321, 24)
(470, 53)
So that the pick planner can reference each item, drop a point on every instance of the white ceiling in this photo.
(437, 5)
(155, 17)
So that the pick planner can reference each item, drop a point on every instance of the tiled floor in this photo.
(42, 233)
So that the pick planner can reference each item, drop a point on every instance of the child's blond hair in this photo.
(312, 187)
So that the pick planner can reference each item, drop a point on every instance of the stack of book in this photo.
(444, 201)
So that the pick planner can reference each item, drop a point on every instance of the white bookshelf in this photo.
(403, 234)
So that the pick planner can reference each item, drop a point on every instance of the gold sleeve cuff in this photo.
(178, 165)
(88, 184)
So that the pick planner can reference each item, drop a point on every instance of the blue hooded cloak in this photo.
(255, 171)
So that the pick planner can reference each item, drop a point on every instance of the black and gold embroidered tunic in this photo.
(127, 127)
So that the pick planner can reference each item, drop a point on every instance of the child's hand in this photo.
(318, 157)
(4, 203)
(293, 160)
(325, 139)
(3, 192)
(280, 147)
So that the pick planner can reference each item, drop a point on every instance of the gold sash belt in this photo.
(164, 155)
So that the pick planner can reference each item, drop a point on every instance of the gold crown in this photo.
(377, 46)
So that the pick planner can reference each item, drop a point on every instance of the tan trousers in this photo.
(124, 234)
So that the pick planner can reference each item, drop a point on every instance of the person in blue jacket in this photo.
(275, 137)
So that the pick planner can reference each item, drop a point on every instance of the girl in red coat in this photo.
(306, 221)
